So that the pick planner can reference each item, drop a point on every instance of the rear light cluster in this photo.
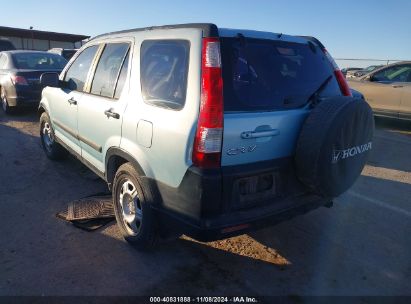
(345, 89)
(209, 134)
(15, 79)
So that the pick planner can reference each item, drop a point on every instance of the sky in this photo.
(349, 29)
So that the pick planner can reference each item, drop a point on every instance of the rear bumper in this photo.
(23, 97)
(228, 225)
(25, 101)
(207, 205)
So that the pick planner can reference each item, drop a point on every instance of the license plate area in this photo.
(254, 190)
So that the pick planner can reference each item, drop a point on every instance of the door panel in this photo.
(405, 108)
(63, 113)
(64, 101)
(382, 96)
(100, 112)
(98, 131)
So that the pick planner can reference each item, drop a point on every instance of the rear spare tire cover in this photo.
(334, 145)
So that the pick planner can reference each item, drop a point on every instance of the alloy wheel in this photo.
(131, 211)
(47, 136)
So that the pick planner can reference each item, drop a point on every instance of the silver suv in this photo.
(207, 131)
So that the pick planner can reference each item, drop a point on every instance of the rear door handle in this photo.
(72, 101)
(256, 134)
(110, 113)
(397, 86)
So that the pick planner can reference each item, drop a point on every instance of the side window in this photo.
(122, 77)
(108, 69)
(400, 73)
(76, 75)
(164, 69)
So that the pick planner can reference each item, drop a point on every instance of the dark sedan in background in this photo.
(20, 73)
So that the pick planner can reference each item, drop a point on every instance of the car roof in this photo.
(391, 64)
(211, 30)
(11, 52)
(229, 32)
(399, 62)
(61, 49)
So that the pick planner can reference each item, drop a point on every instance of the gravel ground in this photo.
(361, 246)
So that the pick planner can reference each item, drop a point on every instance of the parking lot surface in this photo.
(361, 246)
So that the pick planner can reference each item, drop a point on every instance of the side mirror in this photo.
(372, 78)
(50, 80)
(367, 78)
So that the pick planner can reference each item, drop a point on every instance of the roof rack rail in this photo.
(209, 29)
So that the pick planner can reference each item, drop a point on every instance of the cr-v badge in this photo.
(240, 150)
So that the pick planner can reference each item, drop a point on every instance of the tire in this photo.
(135, 218)
(4, 102)
(51, 147)
(334, 145)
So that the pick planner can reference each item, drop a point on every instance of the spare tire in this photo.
(334, 145)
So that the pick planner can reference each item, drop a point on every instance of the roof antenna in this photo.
(280, 35)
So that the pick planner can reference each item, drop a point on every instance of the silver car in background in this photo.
(387, 90)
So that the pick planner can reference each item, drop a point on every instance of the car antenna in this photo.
(280, 35)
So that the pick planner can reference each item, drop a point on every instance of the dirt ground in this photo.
(361, 246)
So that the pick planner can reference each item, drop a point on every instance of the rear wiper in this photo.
(314, 96)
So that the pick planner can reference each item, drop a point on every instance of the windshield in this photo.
(265, 75)
(38, 61)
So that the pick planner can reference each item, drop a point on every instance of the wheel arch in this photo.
(42, 108)
(115, 157)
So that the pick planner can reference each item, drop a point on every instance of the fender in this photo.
(43, 105)
(41, 109)
(151, 189)
(110, 164)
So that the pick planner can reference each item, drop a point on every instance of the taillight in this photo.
(209, 134)
(15, 79)
(345, 89)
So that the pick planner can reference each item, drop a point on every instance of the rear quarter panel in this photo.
(169, 156)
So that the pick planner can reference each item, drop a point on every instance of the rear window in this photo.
(38, 61)
(6, 45)
(67, 54)
(267, 75)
